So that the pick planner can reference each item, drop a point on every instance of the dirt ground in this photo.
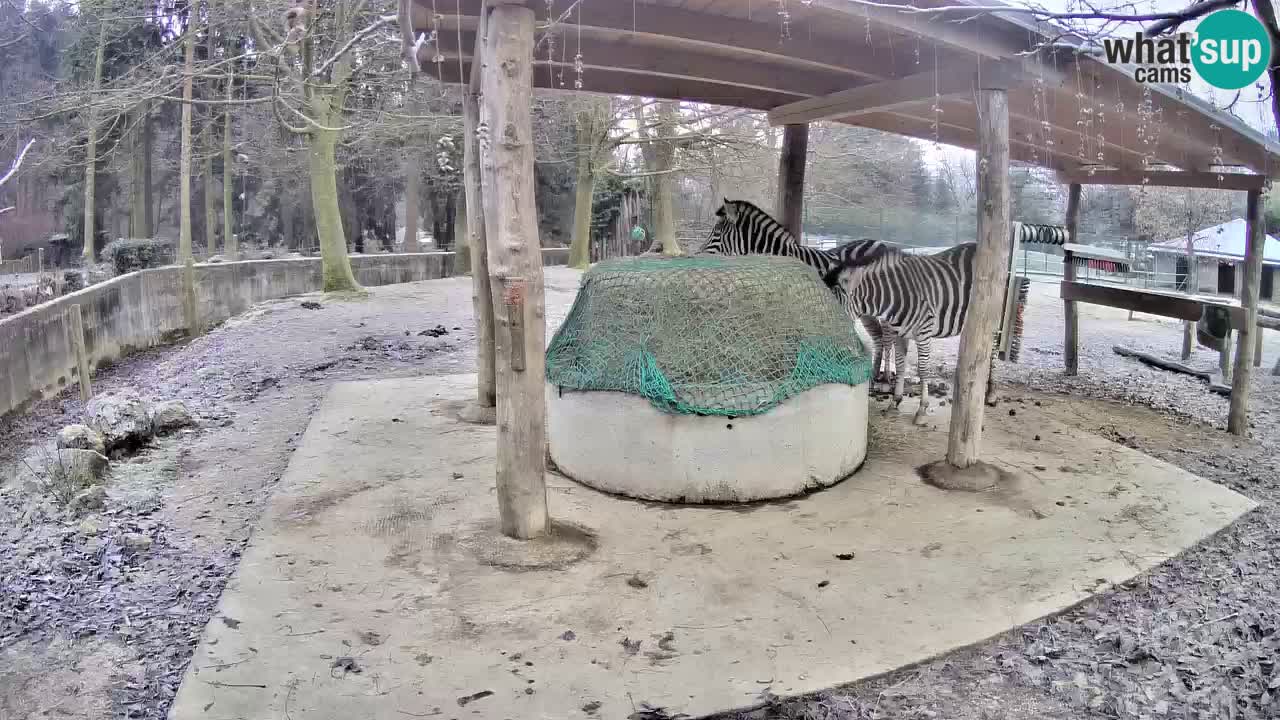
(92, 628)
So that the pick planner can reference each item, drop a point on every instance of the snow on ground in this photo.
(89, 628)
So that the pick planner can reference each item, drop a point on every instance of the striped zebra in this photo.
(742, 228)
(918, 297)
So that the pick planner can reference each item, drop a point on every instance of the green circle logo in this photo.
(1232, 49)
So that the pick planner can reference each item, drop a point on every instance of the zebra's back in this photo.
(911, 292)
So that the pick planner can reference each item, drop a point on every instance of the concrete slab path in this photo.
(377, 587)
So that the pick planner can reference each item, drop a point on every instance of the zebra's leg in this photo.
(877, 337)
(900, 359)
(991, 399)
(922, 362)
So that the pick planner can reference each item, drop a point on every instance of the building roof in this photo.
(868, 64)
(1220, 241)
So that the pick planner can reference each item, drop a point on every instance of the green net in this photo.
(731, 336)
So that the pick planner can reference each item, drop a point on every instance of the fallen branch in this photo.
(1216, 385)
(1171, 365)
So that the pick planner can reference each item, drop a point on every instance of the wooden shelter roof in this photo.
(874, 66)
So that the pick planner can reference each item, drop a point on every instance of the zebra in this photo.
(913, 296)
(742, 228)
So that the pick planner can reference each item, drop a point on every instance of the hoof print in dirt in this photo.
(81, 437)
(122, 418)
(311, 305)
(436, 331)
(170, 415)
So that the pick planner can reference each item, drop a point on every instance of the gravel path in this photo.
(91, 628)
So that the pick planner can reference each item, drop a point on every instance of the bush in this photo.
(129, 254)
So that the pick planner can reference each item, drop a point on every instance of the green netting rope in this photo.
(731, 336)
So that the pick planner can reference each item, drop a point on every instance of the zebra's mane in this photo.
(882, 254)
(746, 206)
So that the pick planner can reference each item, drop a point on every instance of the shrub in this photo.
(129, 254)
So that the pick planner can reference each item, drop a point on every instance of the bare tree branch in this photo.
(1191, 12)
(355, 39)
(17, 163)
(1188, 13)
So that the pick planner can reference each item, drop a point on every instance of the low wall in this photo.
(144, 309)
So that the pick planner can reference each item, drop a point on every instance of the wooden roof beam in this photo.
(634, 56)
(963, 137)
(967, 36)
(955, 80)
(695, 29)
(616, 82)
(1166, 178)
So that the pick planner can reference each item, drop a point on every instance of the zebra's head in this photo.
(725, 235)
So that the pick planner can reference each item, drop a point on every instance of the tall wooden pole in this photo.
(481, 295)
(964, 441)
(1238, 413)
(515, 269)
(1071, 340)
(795, 147)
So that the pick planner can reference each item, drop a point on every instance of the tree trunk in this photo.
(659, 157)
(580, 244)
(336, 265)
(586, 131)
(137, 195)
(184, 182)
(437, 217)
(210, 198)
(91, 149)
(450, 212)
(413, 181)
(462, 236)
(286, 228)
(412, 190)
(229, 241)
(149, 206)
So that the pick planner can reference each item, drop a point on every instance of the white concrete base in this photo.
(377, 588)
(620, 443)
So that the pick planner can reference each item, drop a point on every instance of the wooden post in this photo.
(75, 332)
(795, 148)
(964, 441)
(1257, 349)
(1071, 340)
(39, 265)
(481, 295)
(515, 268)
(1238, 413)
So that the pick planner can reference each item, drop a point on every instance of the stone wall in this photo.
(144, 309)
